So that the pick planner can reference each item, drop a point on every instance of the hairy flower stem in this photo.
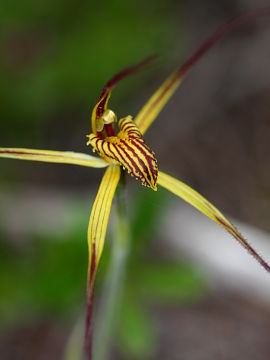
(111, 296)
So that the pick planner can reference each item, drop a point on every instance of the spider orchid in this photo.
(121, 146)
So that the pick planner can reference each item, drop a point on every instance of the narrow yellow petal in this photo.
(99, 218)
(157, 101)
(191, 196)
(64, 157)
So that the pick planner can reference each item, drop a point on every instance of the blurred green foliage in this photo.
(57, 55)
(47, 278)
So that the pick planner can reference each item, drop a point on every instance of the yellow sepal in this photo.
(157, 101)
(64, 157)
(99, 218)
(191, 196)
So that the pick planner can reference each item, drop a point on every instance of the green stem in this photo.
(111, 296)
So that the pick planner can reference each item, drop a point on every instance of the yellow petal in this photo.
(99, 218)
(64, 157)
(159, 99)
(199, 202)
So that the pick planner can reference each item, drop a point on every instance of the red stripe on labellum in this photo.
(132, 166)
(126, 145)
(102, 145)
(113, 156)
(141, 146)
(99, 144)
(144, 167)
(133, 134)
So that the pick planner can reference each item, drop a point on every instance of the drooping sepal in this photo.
(129, 150)
(195, 199)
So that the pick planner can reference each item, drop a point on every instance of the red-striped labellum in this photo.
(127, 148)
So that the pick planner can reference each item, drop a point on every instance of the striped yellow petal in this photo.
(199, 202)
(96, 235)
(129, 150)
(99, 218)
(64, 157)
(102, 103)
(159, 99)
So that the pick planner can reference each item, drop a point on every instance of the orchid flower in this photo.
(121, 147)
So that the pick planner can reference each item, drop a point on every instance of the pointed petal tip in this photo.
(153, 187)
(238, 236)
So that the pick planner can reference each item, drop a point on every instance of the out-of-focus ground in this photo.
(214, 134)
(223, 326)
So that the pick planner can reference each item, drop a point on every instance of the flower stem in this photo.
(105, 323)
